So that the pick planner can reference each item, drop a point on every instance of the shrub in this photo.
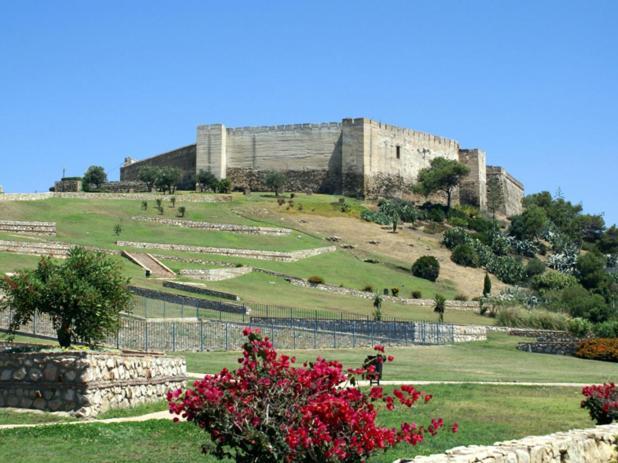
(385, 291)
(417, 295)
(173, 202)
(269, 411)
(117, 229)
(182, 210)
(292, 195)
(498, 242)
(535, 318)
(581, 303)
(607, 329)
(457, 222)
(395, 292)
(224, 186)
(454, 237)
(579, 327)
(280, 201)
(553, 280)
(436, 214)
(368, 289)
(534, 267)
(375, 217)
(315, 280)
(377, 308)
(481, 224)
(465, 255)
(439, 307)
(83, 295)
(601, 402)
(598, 349)
(275, 181)
(144, 205)
(486, 285)
(461, 297)
(507, 269)
(426, 267)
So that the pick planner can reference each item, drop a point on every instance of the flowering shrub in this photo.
(270, 411)
(601, 402)
(599, 349)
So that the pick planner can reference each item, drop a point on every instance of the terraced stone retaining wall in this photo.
(37, 249)
(593, 445)
(451, 304)
(216, 274)
(200, 289)
(291, 256)
(86, 383)
(32, 228)
(190, 198)
(189, 301)
(225, 227)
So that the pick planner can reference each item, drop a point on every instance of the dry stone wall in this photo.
(593, 445)
(200, 289)
(183, 198)
(291, 256)
(451, 304)
(216, 274)
(216, 226)
(86, 383)
(32, 228)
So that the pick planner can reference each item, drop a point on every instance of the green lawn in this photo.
(492, 360)
(486, 414)
(30, 417)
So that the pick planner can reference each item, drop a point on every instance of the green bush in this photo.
(465, 255)
(436, 214)
(457, 222)
(580, 327)
(368, 289)
(534, 267)
(395, 292)
(417, 295)
(536, 318)
(376, 217)
(507, 269)
(224, 186)
(481, 224)
(426, 267)
(461, 297)
(607, 329)
(553, 280)
(453, 237)
(315, 280)
(579, 302)
(486, 285)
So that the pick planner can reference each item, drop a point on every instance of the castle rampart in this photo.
(355, 157)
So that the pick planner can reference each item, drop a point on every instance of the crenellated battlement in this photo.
(283, 127)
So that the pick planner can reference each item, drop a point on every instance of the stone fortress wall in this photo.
(355, 157)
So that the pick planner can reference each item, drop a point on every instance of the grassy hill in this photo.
(373, 255)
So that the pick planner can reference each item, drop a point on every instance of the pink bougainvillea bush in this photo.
(601, 402)
(270, 411)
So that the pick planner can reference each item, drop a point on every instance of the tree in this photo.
(530, 224)
(590, 270)
(608, 243)
(486, 285)
(591, 227)
(168, 179)
(149, 175)
(443, 175)
(82, 295)
(377, 306)
(440, 307)
(207, 180)
(95, 176)
(495, 195)
(426, 267)
(275, 181)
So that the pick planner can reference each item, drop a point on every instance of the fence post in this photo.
(226, 345)
(34, 323)
(335, 337)
(353, 333)
(173, 336)
(201, 335)
(146, 335)
(294, 337)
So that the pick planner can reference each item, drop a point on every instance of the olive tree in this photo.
(275, 181)
(83, 295)
(94, 177)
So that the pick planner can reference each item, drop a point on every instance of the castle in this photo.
(354, 157)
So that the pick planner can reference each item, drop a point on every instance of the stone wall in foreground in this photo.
(593, 445)
(86, 383)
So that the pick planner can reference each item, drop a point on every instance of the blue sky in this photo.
(534, 83)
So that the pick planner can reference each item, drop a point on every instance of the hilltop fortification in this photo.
(356, 157)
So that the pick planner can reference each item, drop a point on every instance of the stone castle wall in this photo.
(182, 158)
(593, 445)
(357, 157)
(512, 189)
(86, 383)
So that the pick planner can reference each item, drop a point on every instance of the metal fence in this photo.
(191, 334)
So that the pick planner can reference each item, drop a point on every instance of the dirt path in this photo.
(162, 415)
